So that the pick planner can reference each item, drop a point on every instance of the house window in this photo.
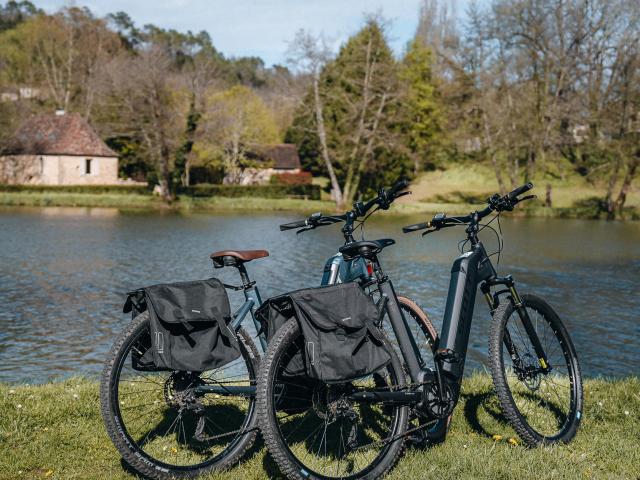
(87, 166)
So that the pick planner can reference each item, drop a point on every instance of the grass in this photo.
(55, 431)
(457, 190)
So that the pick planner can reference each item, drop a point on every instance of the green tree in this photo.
(421, 105)
(236, 120)
(353, 111)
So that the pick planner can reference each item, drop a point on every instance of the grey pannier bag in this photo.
(188, 326)
(338, 322)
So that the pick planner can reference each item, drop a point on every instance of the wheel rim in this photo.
(326, 435)
(159, 414)
(546, 401)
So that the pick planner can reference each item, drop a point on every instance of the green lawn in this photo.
(55, 431)
(457, 190)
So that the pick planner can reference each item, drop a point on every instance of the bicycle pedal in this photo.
(446, 355)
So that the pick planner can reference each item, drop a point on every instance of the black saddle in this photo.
(365, 248)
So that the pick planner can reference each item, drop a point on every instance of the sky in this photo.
(261, 28)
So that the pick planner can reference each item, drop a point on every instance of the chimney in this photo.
(59, 112)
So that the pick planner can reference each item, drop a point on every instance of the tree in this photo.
(352, 109)
(236, 120)
(60, 53)
(424, 116)
(143, 100)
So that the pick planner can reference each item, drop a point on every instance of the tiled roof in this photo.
(283, 155)
(67, 134)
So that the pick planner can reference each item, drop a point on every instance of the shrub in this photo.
(311, 192)
(300, 178)
(125, 189)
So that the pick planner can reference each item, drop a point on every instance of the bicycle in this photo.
(314, 430)
(350, 448)
(182, 424)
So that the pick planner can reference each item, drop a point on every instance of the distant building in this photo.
(60, 149)
(270, 160)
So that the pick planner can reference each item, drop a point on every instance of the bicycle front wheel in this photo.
(544, 405)
(166, 428)
(313, 429)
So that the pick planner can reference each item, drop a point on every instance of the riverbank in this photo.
(224, 204)
(55, 431)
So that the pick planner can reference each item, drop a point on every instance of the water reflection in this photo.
(63, 273)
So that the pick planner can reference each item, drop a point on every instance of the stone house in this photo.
(270, 160)
(60, 149)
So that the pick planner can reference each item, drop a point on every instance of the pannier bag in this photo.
(188, 326)
(341, 339)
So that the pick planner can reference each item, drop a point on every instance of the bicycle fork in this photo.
(493, 301)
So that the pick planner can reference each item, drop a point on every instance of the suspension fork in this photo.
(493, 302)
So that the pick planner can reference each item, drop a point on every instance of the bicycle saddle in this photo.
(230, 258)
(365, 248)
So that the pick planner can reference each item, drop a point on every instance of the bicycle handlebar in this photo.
(360, 209)
(520, 190)
(496, 203)
(292, 225)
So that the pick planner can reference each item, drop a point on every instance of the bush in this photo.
(300, 178)
(125, 189)
(311, 192)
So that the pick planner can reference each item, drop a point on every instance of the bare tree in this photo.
(146, 103)
(309, 54)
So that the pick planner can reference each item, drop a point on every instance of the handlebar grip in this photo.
(520, 190)
(292, 225)
(399, 185)
(415, 227)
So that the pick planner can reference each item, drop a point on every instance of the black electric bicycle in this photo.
(363, 425)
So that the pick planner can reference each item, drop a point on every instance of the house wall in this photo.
(57, 170)
(260, 176)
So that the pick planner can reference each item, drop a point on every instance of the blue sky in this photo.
(261, 27)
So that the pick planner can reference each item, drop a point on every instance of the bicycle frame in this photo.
(470, 270)
(337, 270)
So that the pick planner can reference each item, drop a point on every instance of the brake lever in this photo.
(402, 194)
(426, 232)
(311, 227)
(528, 197)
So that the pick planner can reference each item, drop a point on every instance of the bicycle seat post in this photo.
(244, 276)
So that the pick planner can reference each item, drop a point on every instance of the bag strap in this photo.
(134, 300)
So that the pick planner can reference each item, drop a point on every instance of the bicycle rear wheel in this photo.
(543, 405)
(162, 426)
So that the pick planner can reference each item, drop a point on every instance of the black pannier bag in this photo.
(341, 339)
(188, 326)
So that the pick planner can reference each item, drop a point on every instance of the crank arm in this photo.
(226, 391)
(397, 398)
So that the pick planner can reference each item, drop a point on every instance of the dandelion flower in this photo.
(48, 473)
(497, 438)
(626, 412)
(19, 406)
(513, 441)
(174, 450)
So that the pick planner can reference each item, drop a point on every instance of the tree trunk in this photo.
(609, 202)
(547, 200)
(626, 185)
(494, 161)
(336, 191)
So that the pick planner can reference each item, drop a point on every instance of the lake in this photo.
(64, 273)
